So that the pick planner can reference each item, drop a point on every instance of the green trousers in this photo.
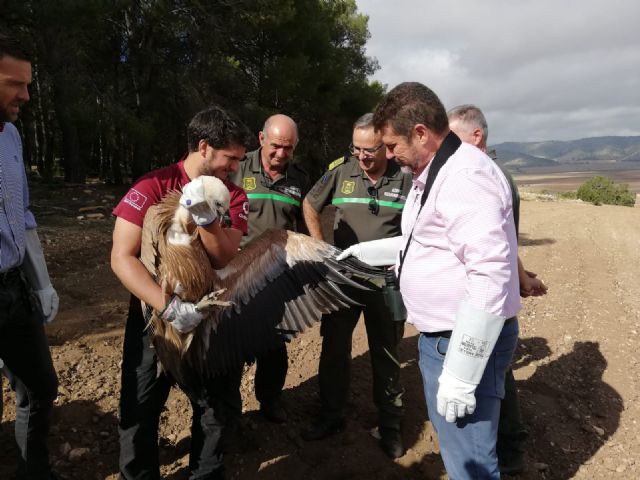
(383, 335)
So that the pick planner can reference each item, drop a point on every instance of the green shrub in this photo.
(570, 195)
(601, 190)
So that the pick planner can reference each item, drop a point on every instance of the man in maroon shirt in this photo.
(217, 142)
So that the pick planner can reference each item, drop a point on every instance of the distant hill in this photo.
(584, 150)
(516, 161)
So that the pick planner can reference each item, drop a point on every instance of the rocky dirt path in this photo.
(577, 366)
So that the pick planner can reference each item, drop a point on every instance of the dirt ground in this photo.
(577, 364)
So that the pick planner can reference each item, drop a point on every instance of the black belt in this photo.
(10, 277)
(442, 333)
(447, 333)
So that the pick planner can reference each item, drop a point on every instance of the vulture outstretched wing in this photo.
(281, 284)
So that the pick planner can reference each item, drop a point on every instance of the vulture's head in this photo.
(216, 196)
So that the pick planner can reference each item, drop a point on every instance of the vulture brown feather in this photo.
(277, 286)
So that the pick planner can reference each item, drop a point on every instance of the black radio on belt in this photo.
(393, 297)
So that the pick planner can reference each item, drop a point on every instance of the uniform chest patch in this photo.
(249, 183)
(348, 187)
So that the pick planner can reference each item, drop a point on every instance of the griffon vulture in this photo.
(280, 284)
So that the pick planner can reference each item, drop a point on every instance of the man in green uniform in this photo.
(369, 193)
(275, 187)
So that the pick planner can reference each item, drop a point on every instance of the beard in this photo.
(409, 165)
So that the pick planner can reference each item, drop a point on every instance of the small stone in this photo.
(65, 448)
(78, 454)
(598, 430)
(621, 468)
(541, 467)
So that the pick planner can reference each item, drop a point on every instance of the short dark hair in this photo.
(218, 128)
(11, 47)
(409, 104)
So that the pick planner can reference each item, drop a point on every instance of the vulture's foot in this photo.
(210, 301)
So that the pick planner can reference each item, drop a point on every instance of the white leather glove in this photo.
(455, 397)
(184, 316)
(49, 303)
(35, 271)
(472, 341)
(193, 199)
(375, 252)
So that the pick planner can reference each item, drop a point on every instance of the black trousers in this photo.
(28, 365)
(383, 335)
(271, 373)
(512, 433)
(144, 392)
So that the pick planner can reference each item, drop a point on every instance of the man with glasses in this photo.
(275, 187)
(369, 193)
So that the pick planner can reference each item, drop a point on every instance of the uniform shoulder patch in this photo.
(336, 163)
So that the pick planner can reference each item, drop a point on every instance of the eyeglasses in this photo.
(374, 207)
(367, 152)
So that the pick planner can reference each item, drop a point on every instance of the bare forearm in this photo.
(135, 278)
(522, 273)
(312, 219)
(221, 244)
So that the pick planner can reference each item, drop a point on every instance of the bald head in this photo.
(278, 140)
(280, 124)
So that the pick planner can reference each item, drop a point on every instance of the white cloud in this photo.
(540, 69)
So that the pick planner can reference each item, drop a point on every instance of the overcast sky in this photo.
(539, 69)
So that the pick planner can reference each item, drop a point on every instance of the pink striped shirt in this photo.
(464, 244)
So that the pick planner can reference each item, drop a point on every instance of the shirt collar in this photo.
(421, 180)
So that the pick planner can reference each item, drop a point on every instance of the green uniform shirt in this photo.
(364, 211)
(272, 203)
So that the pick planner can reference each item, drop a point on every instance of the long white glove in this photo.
(472, 342)
(375, 252)
(184, 316)
(35, 270)
(193, 199)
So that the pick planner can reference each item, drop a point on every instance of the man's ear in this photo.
(421, 133)
(202, 147)
(261, 138)
(478, 137)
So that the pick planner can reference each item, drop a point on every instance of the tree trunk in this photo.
(74, 170)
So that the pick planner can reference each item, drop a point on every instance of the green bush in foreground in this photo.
(601, 190)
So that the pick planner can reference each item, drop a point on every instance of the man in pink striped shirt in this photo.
(457, 268)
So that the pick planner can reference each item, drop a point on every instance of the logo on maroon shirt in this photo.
(136, 199)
